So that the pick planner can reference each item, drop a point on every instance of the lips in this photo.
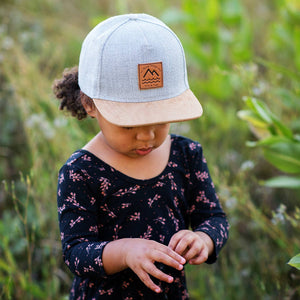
(143, 151)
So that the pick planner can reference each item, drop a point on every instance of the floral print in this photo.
(98, 204)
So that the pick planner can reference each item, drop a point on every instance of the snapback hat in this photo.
(133, 67)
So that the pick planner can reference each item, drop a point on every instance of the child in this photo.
(135, 203)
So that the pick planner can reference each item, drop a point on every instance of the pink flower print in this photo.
(78, 220)
(110, 291)
(61, 209)
(171, 178)
(61, 178)
(201, 175)
(106, 209)
(72, 199)
(204, 160)
(173, 184)
(176, 201)
(85, 173)
(98, 261)
(202, 198)
(223, 231)
(86, 157)
(209, 226)
(125, 205)
(147, 234)
(116, 231)
(131, 190)
(192, 146)
(158, 184)
(71, 161)
(160, 220)
(162, 238)
(172, 164)
(76, 262)
(218, 242)
(89, 269)
(89, 247)
(93, 201)
(62, 235)
(155, 198)
(125, 284)
(192, 209)
(135, 217)
(100, 245)
(59, 192)
(75, 176)
(175, 220)
(93, 229)
(104, 186)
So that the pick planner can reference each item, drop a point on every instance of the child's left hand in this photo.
(195, 247)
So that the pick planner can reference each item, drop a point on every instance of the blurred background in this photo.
(244, 66)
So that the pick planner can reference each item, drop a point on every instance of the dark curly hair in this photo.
(67, 91)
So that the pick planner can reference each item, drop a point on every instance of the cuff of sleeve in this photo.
(213, 257)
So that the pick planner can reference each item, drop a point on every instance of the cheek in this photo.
(122, 141)
(162, 135)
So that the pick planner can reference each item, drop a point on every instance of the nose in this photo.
(145, 133)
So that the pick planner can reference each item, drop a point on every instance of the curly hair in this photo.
(67, 91)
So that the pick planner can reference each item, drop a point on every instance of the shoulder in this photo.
(185, 145)
(81, 165)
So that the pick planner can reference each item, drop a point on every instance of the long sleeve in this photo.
(78, 221)
(206, 213)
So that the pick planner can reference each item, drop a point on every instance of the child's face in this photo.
(133, 142)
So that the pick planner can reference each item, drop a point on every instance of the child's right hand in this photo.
(140, 255)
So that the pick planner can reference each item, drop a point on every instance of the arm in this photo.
(140, 256)
(207, 218)
(78, 222)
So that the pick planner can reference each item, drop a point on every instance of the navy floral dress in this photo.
(98, 204)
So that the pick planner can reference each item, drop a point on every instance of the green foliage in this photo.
(295, 261)
(281, 146)
(233, 48)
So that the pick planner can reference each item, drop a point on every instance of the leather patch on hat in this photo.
(150, 75)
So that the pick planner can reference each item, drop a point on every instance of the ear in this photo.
(90, 108)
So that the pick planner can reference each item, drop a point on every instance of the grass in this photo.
(234, 49)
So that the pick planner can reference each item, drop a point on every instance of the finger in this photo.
(145, 278)
(175, 239)
(199, 258)
(152, 270)
(170, 258)
(184, 245)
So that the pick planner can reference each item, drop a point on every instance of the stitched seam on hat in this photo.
(104, 45)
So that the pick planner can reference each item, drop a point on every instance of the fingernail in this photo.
(158, 290)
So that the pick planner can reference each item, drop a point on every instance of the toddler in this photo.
(135, 204)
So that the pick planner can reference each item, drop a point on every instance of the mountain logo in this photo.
(150, 75)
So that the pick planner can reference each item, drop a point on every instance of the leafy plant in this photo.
(281, 147)
(295, 261)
